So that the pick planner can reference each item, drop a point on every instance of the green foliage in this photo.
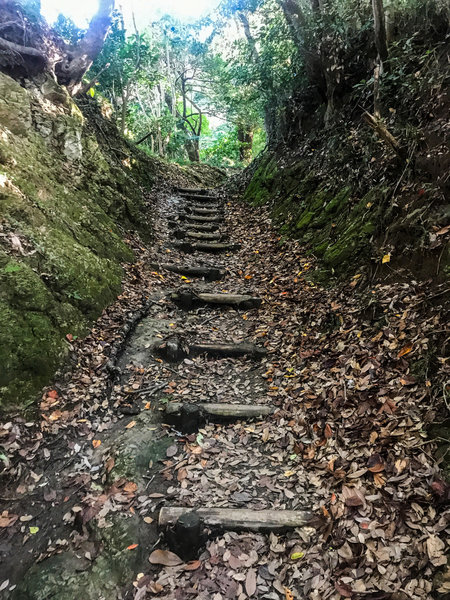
(222, 149)
(67, 29)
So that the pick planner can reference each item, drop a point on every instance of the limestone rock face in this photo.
(15, 106)
(60, 244)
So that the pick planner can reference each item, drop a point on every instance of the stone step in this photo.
(208, 273)
(188, 298)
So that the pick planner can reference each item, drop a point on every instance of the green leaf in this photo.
(11, 268)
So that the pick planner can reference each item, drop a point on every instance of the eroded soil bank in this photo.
(350, 375)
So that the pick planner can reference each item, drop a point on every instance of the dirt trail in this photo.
(345, 440)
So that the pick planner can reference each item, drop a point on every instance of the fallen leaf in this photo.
(343, 589)
(379, 479)
(172, 450)
(353, 497)
(435, 550)
(33, 530)
(109, 464)
(386, 258)
(288, 595)
(153, 587)
(192, 565)
(96, 443)
(250, 582)
(7, 519)
(405, 350)
(164, 557)
(443, 231)
(130, 487)
(132, 547)
(375, 463)
(130, 425)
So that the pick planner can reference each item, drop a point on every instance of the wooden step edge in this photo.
(222, 410)
(240, 519)
(209, 273)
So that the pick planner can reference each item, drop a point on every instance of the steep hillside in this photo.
(70, 187)
(362, 174)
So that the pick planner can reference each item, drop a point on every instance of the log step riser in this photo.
(188, 299)
(173, 351)
(208, 273)
(189, 417)
(211, 248)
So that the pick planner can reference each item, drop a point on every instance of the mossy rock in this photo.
(71, 575)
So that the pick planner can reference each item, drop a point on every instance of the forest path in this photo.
(338, 433)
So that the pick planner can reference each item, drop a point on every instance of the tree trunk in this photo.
(250, 39)
(77, 60)
(123, 122)
(379, 22)
(245, 138)
(295, 19)
(193, 150)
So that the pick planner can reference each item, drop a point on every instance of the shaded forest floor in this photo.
(356, 377)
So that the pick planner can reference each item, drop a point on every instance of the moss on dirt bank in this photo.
(348, 223)
(70, 187)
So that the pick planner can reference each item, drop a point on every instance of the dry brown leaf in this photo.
(109, 464)
(130, 487)
(164, 557)
(435, 550)
(192, 565)
(7, 519)
(405, 350)
(343, 589)
(379, 479)
(353, 497)
(375, 463)
(288, 594)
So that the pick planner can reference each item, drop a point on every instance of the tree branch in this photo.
(23, 50)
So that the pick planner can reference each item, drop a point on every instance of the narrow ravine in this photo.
(249, 431)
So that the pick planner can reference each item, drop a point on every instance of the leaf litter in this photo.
(348, 372)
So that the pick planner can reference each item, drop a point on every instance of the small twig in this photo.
(87, 86)
(150, 479)
(445, 395)
(439, 259)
